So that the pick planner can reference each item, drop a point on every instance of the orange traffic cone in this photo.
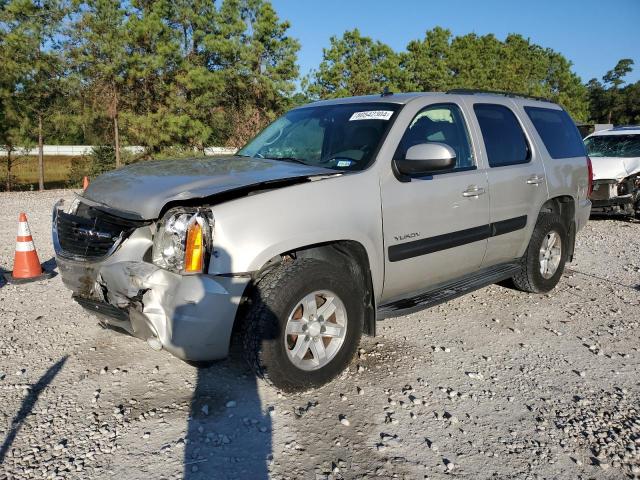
(85, 182)
(26, 266)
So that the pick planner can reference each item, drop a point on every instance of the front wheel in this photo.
(304, 324)
(546, 255)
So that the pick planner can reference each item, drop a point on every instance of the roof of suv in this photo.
(404, 98)
(399, 98)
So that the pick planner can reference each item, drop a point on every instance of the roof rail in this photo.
(473, 91)
(626, 127)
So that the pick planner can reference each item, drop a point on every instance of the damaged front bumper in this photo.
(191, 316)
(612, 196)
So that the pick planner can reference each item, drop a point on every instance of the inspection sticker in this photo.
(372, 115)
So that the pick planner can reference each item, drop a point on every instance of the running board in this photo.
(448, 291)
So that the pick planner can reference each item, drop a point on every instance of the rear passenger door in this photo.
(516, 175)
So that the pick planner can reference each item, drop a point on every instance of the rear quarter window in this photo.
(557, 131)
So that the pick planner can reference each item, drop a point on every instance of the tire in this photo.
(531, 279)
(276, 302)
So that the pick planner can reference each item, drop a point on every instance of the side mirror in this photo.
(426, 158)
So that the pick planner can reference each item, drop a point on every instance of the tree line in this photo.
(197, 73)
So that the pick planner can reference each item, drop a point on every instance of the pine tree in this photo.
(427, 62)
(99, 55)
(198, 87)
(609, 101)
(614, 78)
(154, 58)
(32, 60)
(256, 61)
(356, 65)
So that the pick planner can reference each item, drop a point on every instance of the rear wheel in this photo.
(304, 324)
(546, 255)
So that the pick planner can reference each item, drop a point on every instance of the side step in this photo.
(448, 291)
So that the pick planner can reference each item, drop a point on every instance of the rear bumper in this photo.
(191, 316)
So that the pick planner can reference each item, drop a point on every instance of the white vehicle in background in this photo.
(615, 157)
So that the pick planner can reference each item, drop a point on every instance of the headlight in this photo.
(73, 206)
(182, 242)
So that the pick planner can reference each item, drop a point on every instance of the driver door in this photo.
(435, 226)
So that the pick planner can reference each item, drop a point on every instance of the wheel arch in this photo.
(340, 252)
(565, 207)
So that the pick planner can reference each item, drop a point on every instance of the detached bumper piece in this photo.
(131, 321)
(103, 309)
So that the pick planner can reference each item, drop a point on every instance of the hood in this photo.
(614, 168)
(142, 189)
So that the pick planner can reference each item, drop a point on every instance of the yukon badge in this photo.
(399, 238)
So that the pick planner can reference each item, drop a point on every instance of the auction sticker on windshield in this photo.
(372, 115)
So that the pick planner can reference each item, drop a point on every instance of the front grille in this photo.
(90, 233)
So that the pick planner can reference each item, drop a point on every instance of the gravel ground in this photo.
(497, 384)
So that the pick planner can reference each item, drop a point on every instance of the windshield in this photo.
(613, 146)
(340, 137)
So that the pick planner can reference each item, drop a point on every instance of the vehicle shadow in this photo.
(229, 431)
(27, 405)
(613, 216)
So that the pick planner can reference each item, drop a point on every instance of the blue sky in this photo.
(594, 35)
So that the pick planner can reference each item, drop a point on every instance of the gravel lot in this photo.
(497, 384)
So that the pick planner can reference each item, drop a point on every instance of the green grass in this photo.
(58, 171)
(25, 171)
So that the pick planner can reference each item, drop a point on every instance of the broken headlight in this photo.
(182, 242)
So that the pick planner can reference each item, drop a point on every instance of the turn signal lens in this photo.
(194, 252)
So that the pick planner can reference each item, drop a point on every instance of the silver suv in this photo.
(338, 214)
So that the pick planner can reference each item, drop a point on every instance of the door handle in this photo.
(473, 191)
(535, 179)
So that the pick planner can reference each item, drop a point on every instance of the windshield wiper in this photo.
(290, 159)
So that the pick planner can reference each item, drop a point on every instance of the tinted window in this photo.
(503, 137)
(442, 123)
(558, 132)
(613, 146)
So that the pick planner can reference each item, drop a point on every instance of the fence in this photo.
(79, 150)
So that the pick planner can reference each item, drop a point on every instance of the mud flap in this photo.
(572, 241)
